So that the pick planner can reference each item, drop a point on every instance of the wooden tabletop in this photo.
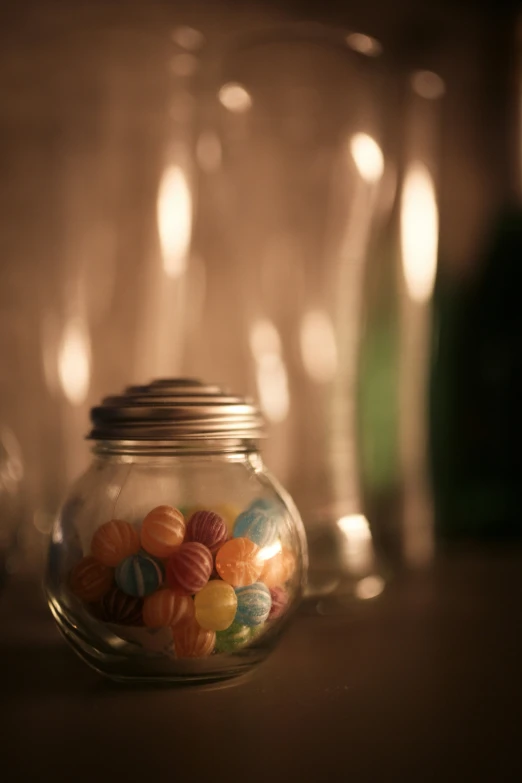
(421, 684)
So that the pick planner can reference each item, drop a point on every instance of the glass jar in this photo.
(176, 556)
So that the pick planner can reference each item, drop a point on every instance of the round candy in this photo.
(164, 608)
(253, 604)
(191, 641)
(114, 541)
(259, 524)
(278, 568)
(235, 637)
(139, 575)
(208, 528)
(227, 511)
(216, 606)
(279, 602)
(189, 568)
(121, 609)
(237, 562)
(90, 579)
(162, 531)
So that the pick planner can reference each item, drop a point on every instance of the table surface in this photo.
(423, 683)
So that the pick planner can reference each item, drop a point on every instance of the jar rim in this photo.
(178, 411)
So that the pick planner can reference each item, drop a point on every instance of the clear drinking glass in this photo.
(294, 228)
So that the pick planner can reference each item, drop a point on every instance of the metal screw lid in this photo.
(176, 409)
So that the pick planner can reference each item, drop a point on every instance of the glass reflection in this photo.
(74, 361)
(174, 220)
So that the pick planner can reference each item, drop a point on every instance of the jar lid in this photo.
(176, 409)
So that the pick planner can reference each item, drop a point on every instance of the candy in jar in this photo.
(114, 541)
(189, 568)
(121, 609)
(162, 530)
(90, 579)
(208, 528)
(238, 563)
(233, 638)
(165, 608)
(164, 555)
(253, 604)
(257, 523)
(216, 606)
(139, 575)
(191, 641)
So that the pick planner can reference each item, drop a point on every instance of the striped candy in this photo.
(279, 602)
(257, 523)
(189, 568)
(235, 637)
(237, 562)
(253, 604)
(114, 541)
(191, 641)
(139, 575)
(90, 579)
(165, 608)
(216, 606)
(116, 607)
(162, 531)
(208, 528)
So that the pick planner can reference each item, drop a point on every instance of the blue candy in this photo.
(139, 575)
(259, 523)
(253, 604)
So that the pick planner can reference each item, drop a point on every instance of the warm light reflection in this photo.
(419, 232)
(268, 552)
(74, 362)
(184, 64)
(368, 157)
(364, 44)
(272, 385)
(355, 526)
(318, 346)
(271, 375)
(208, 151)
(264, 339)
(428, 85)
(357, 545)
(369, 587)
(188, 38)
(174, 220)
(235, 98)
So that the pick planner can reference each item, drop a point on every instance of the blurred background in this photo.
(313, 204)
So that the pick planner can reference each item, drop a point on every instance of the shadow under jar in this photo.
(176, 556)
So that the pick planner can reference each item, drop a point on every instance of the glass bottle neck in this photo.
(130, 451)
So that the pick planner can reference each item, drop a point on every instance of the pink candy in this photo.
(208, 528)
(189, 568)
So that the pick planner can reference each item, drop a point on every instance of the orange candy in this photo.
(237, 562)
(90, 580)
(278, 569)
(114, 541)
(163, 529)
(191, 641)
(164, 608)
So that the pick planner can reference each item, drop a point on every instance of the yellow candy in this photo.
(216, 606)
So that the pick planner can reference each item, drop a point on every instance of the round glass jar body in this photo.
(201, 589)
